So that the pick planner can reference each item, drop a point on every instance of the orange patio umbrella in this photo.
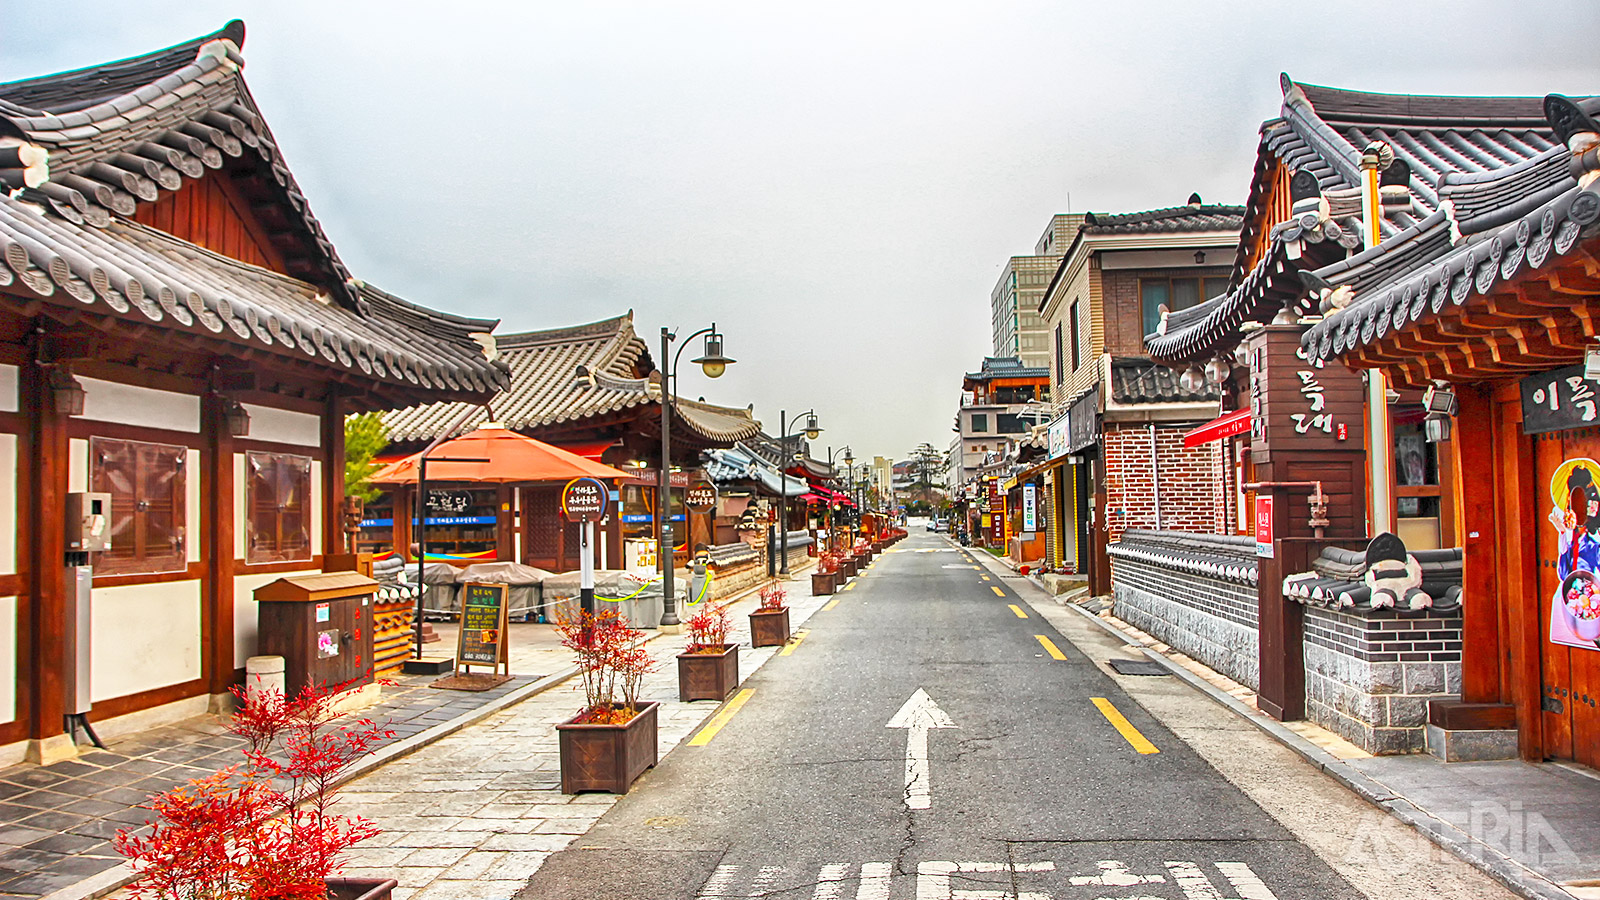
(502, 457)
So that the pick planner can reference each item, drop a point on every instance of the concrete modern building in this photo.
(1014, 303)
(998, 404)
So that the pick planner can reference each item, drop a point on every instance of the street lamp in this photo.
(713, 363)
(811, 431)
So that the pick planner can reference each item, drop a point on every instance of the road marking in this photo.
(850, 586)
(1249, 886)
(1050, 647)
(985, 578)
(1018, 610)
(720, 719)
(763, 883)
(829, 882)
(1124, 727)
(933, 880)
(997, 591)
(874, 882)
(918, 715)
(794, 643)
(718, 883)
(831, 603)
(1115, 873)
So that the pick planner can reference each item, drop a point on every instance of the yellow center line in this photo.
(721, 718)
(997, 591)
(1018, 610)
(794, 643)
(1050, 647)
(850, 586)
(985, 578)
(1120, 722)
(832, 603)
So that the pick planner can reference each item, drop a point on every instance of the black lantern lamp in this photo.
(67, 393)
(812, 429)
(713, 362)
(237, 416)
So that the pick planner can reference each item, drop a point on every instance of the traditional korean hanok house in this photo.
(1117, 458)
(792, 456)
(178, 335)
(591, 389)
(1356, 197)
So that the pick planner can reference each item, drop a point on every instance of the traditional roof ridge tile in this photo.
(1140, 381)
(139, 274)
(1192, 217)
(1006, 367)
(122, 133)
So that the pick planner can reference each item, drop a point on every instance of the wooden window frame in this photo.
(256, 552)
(173, 559)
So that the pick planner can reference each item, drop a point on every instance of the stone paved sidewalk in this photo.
(472, 816)
(56, 821)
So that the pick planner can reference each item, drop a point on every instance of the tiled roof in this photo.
(1006, 367)
(1438, 142)
(1193, 217)
(570, 374)
(145, 125)
(1490, 227)
(741, 465)
(124, 132)
(1136, 381)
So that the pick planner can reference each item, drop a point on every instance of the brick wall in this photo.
(1193, 492)
(1370, 675)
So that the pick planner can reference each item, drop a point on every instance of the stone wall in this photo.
(1370, 674)
(1195, 592)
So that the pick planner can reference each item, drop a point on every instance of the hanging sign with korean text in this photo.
(1030, 508)
(1264, 526)
(1559, 400)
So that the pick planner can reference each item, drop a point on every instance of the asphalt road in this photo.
(1033, 794)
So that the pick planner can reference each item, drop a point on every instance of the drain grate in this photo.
(1138, 667)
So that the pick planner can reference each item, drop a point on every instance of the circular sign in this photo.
(585, 500)
(701, 495)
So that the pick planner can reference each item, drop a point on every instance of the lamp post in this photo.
(713, 363)
(811, 431)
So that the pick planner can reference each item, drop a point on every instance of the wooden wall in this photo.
(211, 213)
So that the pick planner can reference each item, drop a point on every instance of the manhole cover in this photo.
(1138, 667)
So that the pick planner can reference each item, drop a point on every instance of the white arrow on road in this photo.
(918, 715)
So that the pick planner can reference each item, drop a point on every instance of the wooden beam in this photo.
(333, 540)
(46, 466)
(217, 519)
(1480, 631)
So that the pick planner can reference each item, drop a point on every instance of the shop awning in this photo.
(511, 459)
(1225, 426)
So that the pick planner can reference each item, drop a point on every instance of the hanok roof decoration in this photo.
(115, 135)
(1436, 143)
(741, 465)
(1492, 228)
(1135, 381)
(571, 376)
(1194, 216)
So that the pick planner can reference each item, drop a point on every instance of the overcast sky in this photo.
(836, 185)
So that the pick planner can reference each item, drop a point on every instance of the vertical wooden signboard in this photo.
(482, 639)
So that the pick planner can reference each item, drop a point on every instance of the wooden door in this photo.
(1567, 478)
(541, 511)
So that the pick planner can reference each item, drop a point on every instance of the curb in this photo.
(1514, 875)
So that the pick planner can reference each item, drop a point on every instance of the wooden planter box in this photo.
(823, 583)
(708, 676)
(607, 757)
(360, 888)
(849, 567)
(769, 627)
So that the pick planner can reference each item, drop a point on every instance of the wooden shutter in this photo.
(278, 502)
(148, 505)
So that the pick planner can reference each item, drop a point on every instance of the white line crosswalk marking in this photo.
(717, 885)
(1196, 886)
(874, 882)
(829, 882)
(1115, 873)
(764, 880)
(1246, 882)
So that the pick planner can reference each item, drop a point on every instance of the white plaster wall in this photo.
(143, 637)
(241, 474)
(9, 391)
(284, 426)
(191, 524)
(77, 464)
(8, 503)
(317, 501)
(8, 659)
(246, 622)
(108, 401)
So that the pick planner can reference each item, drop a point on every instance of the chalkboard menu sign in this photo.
(482, 641)
(1558, 400)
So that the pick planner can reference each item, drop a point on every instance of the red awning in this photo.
(1226, 426)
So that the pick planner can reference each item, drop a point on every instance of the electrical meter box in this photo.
(321, 625)
(88, 522)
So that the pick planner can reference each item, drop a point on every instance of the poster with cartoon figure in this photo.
(1575, 513)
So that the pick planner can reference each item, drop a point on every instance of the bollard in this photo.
(263, 673)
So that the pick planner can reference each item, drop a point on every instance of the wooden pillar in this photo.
(47, 464)
(1478, 537)
(333, 537)
(505, 542)
(1517, 573)
(216, 518)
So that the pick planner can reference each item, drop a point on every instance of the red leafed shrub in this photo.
(611, 662)
(826, 566)
(708, 631)
(773, 595)
(261, 829)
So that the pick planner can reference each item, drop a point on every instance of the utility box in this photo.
(321, 625)
(88, 515)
